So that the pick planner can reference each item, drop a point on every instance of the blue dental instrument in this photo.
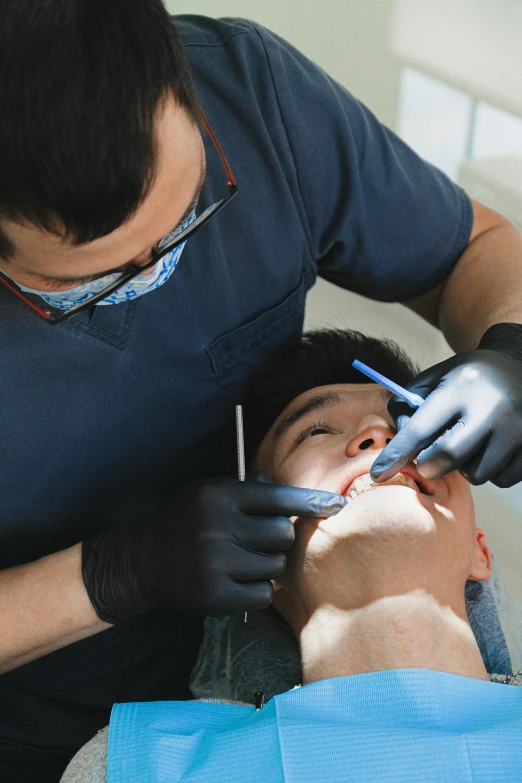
(413, 400)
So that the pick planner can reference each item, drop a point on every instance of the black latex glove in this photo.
(472, 420)
(213, 552)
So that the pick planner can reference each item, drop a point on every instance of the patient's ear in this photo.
(481, 564)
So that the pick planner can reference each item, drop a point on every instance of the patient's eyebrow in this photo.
(327, 400)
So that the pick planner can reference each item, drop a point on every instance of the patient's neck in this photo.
(398, 632)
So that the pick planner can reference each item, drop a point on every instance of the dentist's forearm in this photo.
(485, 288)
(44, 606)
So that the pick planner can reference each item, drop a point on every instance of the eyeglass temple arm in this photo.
(231, 182)
(43, 313)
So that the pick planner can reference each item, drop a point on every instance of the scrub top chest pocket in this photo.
(235, 354)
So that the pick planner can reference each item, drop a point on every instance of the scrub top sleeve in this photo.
(382, 222)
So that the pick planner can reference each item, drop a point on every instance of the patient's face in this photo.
(328, 438)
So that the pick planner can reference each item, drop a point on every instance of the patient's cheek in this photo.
(312, 464)
(459, 503)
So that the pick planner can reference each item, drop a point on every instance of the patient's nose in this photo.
(373, 433)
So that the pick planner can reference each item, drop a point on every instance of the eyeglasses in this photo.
(54, 315)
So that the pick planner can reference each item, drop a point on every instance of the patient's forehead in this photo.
(353, 396)
(349, 400)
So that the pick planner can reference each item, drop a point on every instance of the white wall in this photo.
(351, 40)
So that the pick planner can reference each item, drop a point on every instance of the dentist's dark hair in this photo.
(316, 358)
(81, 82)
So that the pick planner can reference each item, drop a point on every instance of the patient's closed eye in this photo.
(313, 429)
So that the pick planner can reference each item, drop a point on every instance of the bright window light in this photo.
(496, 133)
(434, 119)
(445, 125)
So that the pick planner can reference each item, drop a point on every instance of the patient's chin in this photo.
(389, 510)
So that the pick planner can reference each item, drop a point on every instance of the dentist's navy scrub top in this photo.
(104, 415)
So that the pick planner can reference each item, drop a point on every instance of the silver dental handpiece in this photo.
(240, 451)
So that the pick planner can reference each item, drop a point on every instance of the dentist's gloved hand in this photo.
(472, 419)
(213, 552)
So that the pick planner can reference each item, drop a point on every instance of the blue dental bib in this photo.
(398, 726)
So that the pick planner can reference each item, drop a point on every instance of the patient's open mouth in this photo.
(365, 482)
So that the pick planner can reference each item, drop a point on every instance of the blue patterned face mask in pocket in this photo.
(138, 286)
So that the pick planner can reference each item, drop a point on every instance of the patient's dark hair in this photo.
(80, 85)
(317, 358)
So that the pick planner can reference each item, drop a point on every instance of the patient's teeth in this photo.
(364, 483)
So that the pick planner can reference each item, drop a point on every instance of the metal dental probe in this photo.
(413, 400)
(240, 451)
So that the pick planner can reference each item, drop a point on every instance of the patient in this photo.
(381, 584)
(377, 590)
